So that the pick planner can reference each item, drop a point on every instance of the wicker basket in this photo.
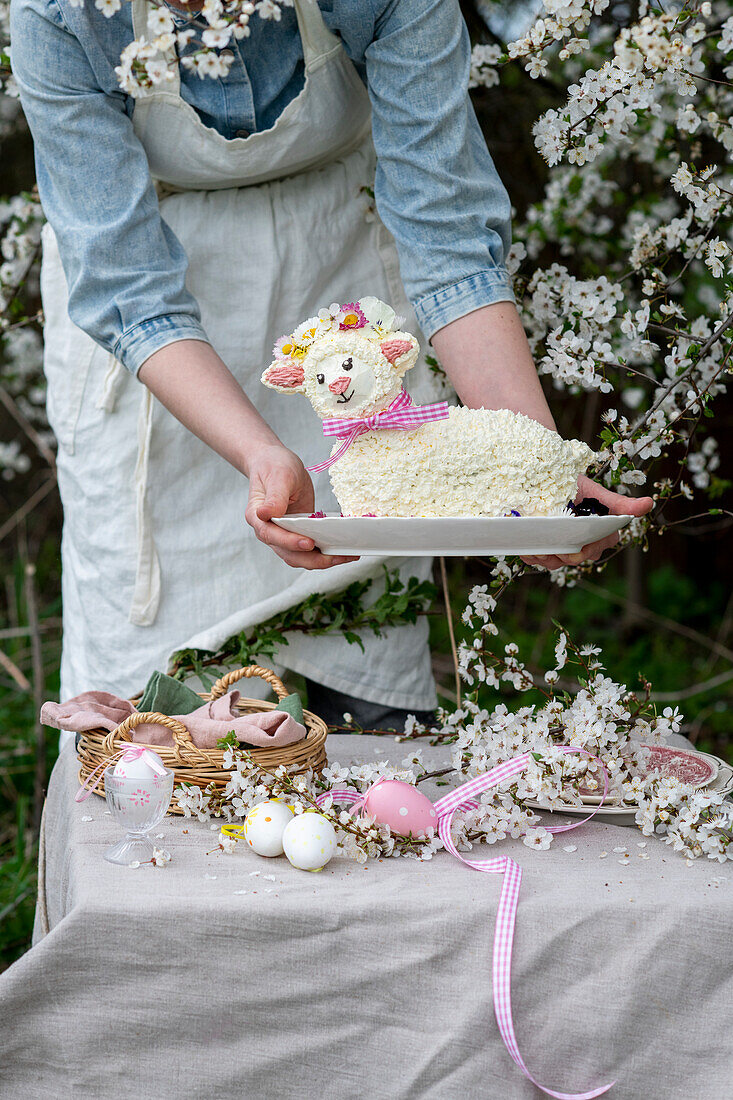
(202, 767)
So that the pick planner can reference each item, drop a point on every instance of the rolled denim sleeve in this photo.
(124, 266)
(437, 189)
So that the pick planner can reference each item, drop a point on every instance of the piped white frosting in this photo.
(478, 462)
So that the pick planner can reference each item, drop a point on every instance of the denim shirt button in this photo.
(242, 133)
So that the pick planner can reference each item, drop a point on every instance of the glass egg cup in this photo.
(138, 805)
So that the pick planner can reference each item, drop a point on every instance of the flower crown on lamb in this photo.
(348, 360)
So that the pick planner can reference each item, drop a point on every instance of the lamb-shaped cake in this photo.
(393, 458)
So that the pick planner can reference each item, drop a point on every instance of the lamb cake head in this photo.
(349, 361)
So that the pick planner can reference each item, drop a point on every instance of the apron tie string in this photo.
(111, 386)
(146, 594)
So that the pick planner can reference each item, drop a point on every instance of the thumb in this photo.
(623, 505)
(275, 497)
(619, 505)
(303, 499)
(273, 505)
(639, 506)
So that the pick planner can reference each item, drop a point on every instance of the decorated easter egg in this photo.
(137, 763)
(401, 806)
(264, 827)
(309, 841)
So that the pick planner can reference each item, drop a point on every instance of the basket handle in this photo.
(221, 686)
(181, 736)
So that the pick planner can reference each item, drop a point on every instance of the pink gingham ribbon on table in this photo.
(462, 799)
(133, 752)
(400, 414)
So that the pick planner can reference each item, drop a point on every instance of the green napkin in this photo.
(292, 705)
(165, 695)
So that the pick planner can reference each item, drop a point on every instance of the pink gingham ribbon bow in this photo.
(463, 799)
(132, 752)
(400, 414)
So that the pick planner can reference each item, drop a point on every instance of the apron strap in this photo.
(317, 39)
(146, 595)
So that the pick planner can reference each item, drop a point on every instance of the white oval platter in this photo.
(461, 536)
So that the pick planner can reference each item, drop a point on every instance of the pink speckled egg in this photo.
(403, 807)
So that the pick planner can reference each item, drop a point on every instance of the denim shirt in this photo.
(437, 189)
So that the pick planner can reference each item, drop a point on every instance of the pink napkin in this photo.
(87, 711)
(216, 719)
(95, 709)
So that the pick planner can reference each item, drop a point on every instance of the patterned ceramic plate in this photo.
(460, 536)
(698, 768)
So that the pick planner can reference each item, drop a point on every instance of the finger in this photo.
(548, 561)
(574, 559)
(313, 560)
(591, 552)
(635, 506)
(586, 554)
(274, 504)
(272, 496)
(280, 498)
(277, 537)
(597, 548)
(303, 500)
(619, 505)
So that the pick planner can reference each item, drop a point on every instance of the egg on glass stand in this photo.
(309, 841)
(137, 763)
(138, 789)
(264, 827)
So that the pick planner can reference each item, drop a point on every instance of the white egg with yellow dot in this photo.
(264, 827)
(309, 841)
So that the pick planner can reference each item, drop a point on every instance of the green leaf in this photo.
(229, 741)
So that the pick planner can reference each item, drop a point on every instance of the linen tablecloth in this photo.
(203, 979)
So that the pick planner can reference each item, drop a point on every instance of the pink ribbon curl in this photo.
(463, 799)
(133, 752)
(401, 414)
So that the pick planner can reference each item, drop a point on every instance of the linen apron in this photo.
(156, 552)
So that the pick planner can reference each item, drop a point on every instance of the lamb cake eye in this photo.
(347, 364)
(320, 379)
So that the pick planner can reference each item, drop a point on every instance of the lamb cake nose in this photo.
(340, 385)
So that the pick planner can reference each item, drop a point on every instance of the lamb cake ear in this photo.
(284, 375)
(402, 354)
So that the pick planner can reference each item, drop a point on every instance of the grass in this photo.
(18, 794)
(17, 883)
